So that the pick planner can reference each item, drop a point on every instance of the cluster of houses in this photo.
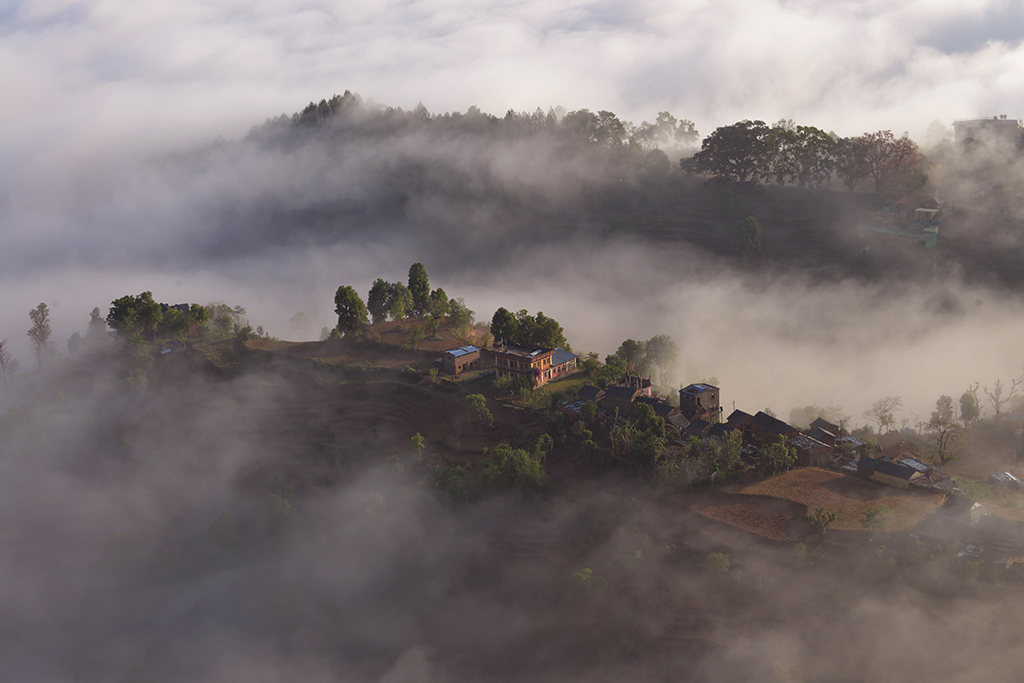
(959, 520)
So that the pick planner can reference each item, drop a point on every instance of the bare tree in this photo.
(883, 412)
(999, 396)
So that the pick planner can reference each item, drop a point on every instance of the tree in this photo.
(400, 302)
(196, 317)
(350, 309)
(717, 563)
(943, 429)
(883, 412)
(822, 518)
(508, 468)
(301, 323)
(377, 300)
(97, 332)
(633, 353)
(877, 516)
(969, 411)
(39, 333)
(997, 396)
(75, 343)
(437, 306)
(504, 327)
(136, 360)
(478, 404)
(419, 287)
(776, 457)
(135, 315)
(738, 152)
(662, 351)
(418, 443)
(460, 314)
(8, 365)
(547, 332)
(747, 238)
(894, 165)
(800, 154)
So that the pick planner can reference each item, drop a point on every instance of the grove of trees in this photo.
(752, 151)
(524, 329)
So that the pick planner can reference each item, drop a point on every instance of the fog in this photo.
(527, 218)
(112, 573)
(113, 181)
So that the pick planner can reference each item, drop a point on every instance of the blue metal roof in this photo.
(462, 350)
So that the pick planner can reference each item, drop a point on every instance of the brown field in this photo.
(848, 496)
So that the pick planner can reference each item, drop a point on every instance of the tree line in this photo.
(786, 153)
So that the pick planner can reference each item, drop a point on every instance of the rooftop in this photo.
(524, 352)
(698, 388)
(462, 351)
(561, 357)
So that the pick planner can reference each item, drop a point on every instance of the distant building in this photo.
(701, 401)
(991, 132)
(456, 361)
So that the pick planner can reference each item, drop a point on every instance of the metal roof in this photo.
(698, 388)
(462, 351)
(561, 356)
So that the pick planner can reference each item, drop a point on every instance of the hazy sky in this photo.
(98, 76)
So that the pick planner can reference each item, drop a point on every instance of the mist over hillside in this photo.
(548, 211)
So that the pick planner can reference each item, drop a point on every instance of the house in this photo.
(701, 401)
(961, 509)
(542, 364)
(822, 435)
(699, 428)
(809, 451)
(678, 420)
(888, 473)
(765, 429)
(1004, 479)
(661, 407)
(739, 419)
(825, 425)
(456, 361)
(562, 363)
(513, 361)
(588, 392)
(721, 429)
(643, 384)
(618, 398)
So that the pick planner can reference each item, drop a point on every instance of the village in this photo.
(960, 521)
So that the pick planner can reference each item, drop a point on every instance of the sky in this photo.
(95, 79)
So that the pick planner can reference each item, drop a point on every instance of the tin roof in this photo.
(462, 351)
